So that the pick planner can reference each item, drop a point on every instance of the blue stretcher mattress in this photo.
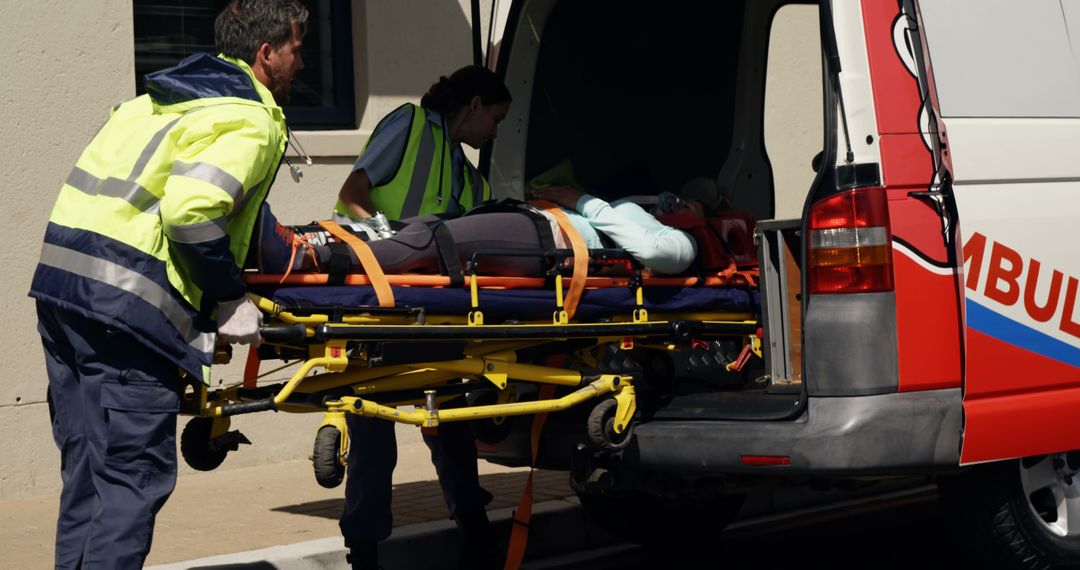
(506, 304)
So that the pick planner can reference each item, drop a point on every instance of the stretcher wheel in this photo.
(326, 457)
(195, 445)
(488, 430)
(601, 427)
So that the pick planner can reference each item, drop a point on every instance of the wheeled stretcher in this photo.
(510, 345)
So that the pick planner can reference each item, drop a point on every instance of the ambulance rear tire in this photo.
(1022, 513)
(326, 457)
(601, 427)
(195, 445)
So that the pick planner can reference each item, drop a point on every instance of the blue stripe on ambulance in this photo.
(993, 324)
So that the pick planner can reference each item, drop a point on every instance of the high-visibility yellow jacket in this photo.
(151, 227)
(423, 181)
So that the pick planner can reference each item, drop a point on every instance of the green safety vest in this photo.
(151, 227)
(414, 190)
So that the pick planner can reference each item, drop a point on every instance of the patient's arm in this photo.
(564, 196)
(658, 247)
(355, 194)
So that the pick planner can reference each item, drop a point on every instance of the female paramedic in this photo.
(413, 165)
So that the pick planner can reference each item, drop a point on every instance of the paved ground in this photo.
(237, 510)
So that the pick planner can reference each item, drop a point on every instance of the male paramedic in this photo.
(140, 272)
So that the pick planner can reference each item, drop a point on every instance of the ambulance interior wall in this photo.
(642, 101)
(67, 63)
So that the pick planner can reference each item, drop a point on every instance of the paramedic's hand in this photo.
(239, 321)
(564, 196)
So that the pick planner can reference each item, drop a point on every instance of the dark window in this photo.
(167, 31)
(663, 77)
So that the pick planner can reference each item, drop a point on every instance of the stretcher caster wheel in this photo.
(326, 458)
(488, 430)
(197, 449)
(601, 427)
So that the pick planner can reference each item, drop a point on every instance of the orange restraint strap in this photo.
(251, 368)
(367, 261)
(519, 533)
(581, 255)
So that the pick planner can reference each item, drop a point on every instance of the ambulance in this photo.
(914, 170)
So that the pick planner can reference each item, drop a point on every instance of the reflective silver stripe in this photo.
(478, 185)
(121, 277)
(239, 206)
(151, 148)
(211, 175)
(198, 233)
(421, 171)
(126, 190)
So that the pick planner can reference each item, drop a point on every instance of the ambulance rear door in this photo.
(1008, 92)
(489, 18)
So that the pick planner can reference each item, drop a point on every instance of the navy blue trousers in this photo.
(113, 404)
(372, 457)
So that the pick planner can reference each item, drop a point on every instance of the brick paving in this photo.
(249, 508)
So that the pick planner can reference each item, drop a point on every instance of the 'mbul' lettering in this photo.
(998, 273)
(1046, 312)
(1068, 325)
(973, 251)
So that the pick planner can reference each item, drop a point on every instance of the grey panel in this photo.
(1003, 58)
(849, 345)
(885, 434)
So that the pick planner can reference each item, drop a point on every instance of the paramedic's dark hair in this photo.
(450, 94)
(244, 25)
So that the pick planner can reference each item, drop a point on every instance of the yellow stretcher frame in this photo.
(348, 384)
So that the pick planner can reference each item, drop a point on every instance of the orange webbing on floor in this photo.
(367, 261)
(519, 533)
(581, 255)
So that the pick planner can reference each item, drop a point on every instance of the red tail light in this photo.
(849, 247)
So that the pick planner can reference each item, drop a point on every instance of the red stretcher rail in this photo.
(492, 281)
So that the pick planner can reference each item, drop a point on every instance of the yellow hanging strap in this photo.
(581, 255)
(367, 261)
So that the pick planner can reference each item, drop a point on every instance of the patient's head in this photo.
(703, 197)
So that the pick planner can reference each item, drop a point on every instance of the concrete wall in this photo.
(67, 62)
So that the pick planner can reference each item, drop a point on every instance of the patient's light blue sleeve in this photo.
(658, 247)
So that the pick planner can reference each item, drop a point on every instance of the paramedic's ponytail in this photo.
(450, 94)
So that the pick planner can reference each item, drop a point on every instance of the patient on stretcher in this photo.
(422, 245)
